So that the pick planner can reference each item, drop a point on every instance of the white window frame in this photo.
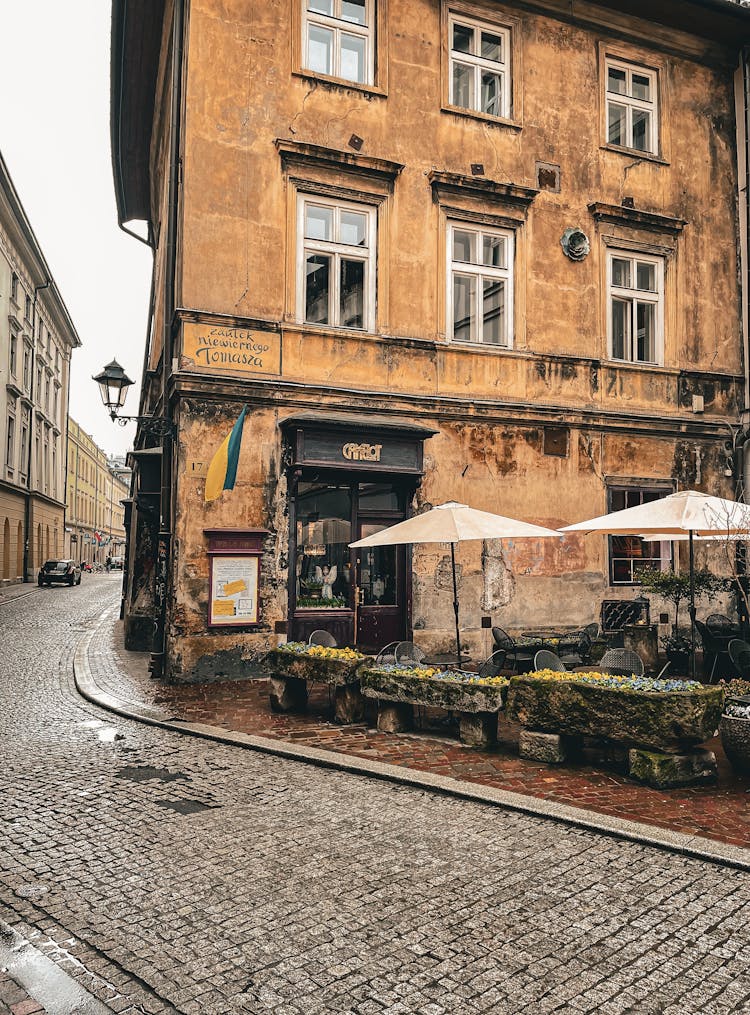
(338, 26)
(479, 63)
(631, 103)
(480, 272)
(337, 250)
(635, 296)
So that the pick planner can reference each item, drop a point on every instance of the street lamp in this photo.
(113, 385)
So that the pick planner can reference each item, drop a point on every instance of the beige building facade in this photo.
(37, 337)
(95, 528)
(473, 251)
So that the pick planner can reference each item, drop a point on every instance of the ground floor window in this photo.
(324, 531)
(630, 554)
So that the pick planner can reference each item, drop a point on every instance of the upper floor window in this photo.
(632, 107)
(13, 354)
(10, 443)
(479, 67)
(480, 289)
(27, 308)
(26, 366)
(338, 39)
(336, 263)
(635, 297)
(14, 287)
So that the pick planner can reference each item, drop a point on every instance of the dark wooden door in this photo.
(380, 590)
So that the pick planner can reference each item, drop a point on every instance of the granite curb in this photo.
(694, 846)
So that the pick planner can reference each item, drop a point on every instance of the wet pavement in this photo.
(719, 812)
(166, 873)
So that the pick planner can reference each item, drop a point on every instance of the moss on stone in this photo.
(662, 720)
(318, 669)
(453, 695)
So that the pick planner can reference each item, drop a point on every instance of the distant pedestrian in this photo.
(108, 564)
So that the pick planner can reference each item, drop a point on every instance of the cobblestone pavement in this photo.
(720, 812)
(169, 873)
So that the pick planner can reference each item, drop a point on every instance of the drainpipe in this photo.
(163, 559)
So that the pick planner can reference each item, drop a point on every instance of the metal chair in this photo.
(503, 640)
(493, 665)
(718, 624)
(324, 638)
(593, 631)
(387, 654)
(545, 660)
(715, 646)
(739, 653)
(580, 653)
(622, 662)
(409, 653)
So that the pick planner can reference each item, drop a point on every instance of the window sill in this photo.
(328, 331)
(634, 153)
(342, 83)
(454, 343)
(627, 364)
(474, 114)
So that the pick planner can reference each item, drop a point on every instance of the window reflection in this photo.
(323, 570)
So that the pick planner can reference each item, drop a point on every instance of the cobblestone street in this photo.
(166, 873)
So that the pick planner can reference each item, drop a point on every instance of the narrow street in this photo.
(167, 873)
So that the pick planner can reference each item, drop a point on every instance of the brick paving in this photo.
(14, 1000)
(174, 874)
(720, 812)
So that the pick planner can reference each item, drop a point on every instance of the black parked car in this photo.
(66, 572)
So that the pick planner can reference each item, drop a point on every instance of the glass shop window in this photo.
(378, 575)
(323, 564)
(378, 497)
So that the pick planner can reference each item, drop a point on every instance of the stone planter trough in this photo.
(659, 729)
(397, 694)
(290, 672)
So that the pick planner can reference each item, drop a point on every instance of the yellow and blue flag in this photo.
(222, 472)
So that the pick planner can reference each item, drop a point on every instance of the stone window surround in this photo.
(378, 85)
(489, 16)
(654, 65)
(345, 177)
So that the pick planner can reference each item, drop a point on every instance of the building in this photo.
(37, 337)
(442, 250)
(95, 526)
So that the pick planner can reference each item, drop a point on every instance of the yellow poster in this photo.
(234, 590)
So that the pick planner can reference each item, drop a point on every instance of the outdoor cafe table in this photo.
(557, 643)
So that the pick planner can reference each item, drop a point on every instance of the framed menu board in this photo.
(234, 576)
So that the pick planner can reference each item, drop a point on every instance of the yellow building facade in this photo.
(472, 251)
(95, 527)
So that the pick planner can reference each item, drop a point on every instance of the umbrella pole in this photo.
(455, 604)
(692, 609)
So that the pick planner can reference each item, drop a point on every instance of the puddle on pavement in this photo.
(142, 773)
(185, 806)
(93, 724)
(35, 890)
(109, 735)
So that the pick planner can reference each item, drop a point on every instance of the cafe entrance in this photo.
(363, 596)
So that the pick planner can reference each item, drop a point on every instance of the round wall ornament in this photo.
(575, 244)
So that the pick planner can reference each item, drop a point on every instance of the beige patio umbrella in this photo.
(455, 523)
(687, 513)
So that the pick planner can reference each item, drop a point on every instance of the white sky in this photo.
(54, 136)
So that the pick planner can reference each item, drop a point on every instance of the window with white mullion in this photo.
(337, 264)
(479, 67)
(635, 287)
(338, 39)
(480, 290)
(632, 120)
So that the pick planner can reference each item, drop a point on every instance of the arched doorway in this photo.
(39, 547)
(6, 549)
(46, 554)
(19, 552)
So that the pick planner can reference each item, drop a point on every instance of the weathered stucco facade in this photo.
(549, 423)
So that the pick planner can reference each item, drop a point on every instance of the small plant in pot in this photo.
(677, 650)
